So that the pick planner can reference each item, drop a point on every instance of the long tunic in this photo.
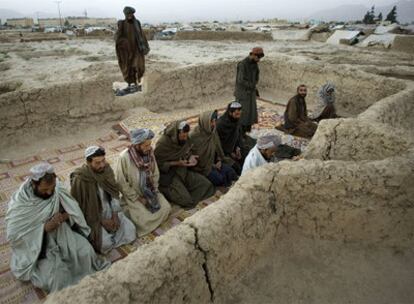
(253, 160)
(128, 177)
(131, 47)
(245, 93)
(179, 184)
(296, 117)
(126, 232)
(67, 255)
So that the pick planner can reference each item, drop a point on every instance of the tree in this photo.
(379, 18)
(368, 18)
(392, 15)
(67, 24)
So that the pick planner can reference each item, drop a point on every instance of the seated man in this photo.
(48, 234)
(296, 117)
(180, 185)
(95, 188)
(211, 160)
(137, 174)
(263, 153)
(231, 136)
(326, 106)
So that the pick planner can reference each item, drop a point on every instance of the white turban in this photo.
(138, 136)
(40, 170)
(235, 105)
(92, 150)
(268, 142)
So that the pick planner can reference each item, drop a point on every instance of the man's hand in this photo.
(192, 161)
(218, 165)
(56, 221)
(296, 158)
(109, 225)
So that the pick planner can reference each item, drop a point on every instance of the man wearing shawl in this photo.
(95, 188)
(137, 174)
(234, 145)
(180, 185)
(246, 80)
(326, 107)
(262, 153)
(131, 48)
(211, 160)
(296, 117)
(48, 234)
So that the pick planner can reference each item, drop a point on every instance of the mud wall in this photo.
(223, 35)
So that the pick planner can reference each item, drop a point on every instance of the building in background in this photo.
(20, 22)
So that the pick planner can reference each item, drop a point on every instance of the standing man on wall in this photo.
(131, 48)
(246, 91)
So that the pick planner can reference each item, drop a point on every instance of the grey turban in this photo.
(138, 136)
(40, 170)
(129, 10)
(268, 142)
(323, 93)
(92, 150)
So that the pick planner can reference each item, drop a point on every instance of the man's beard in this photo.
(233, 119)
(182, 142)
(44, 196)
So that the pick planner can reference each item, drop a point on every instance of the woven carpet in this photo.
(65, 160)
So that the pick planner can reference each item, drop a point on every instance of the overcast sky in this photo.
(187, 10)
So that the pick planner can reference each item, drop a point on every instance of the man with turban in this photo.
(296, 117)
(325, 108)
(95, 188)
(131, 48)
(212, 163)
(137, 174)
(262, 153)
(48, 234)
(246, 92)
(178, 183)
(234, 145)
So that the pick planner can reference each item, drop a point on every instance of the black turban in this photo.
(129, 10)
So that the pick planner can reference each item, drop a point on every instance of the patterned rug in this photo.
(65, 160)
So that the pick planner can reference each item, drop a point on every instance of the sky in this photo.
(186, 10)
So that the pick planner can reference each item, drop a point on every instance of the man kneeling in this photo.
(137, 174)
(173, 154)
(48, 234)
(95, 188)
(263, 153)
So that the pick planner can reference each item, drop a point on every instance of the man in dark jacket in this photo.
(246, 92)
(131, 49)
(297, 121)
(231, 139)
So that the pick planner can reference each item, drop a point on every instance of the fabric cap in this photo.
(268, 141)
(257, 51)
(92, 150)
(182, 125)
(235, 105)
(138, 136)
(129, 10)
(40, 170)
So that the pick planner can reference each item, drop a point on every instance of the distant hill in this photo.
(405, 12)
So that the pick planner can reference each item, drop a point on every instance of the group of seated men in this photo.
(57, 237)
